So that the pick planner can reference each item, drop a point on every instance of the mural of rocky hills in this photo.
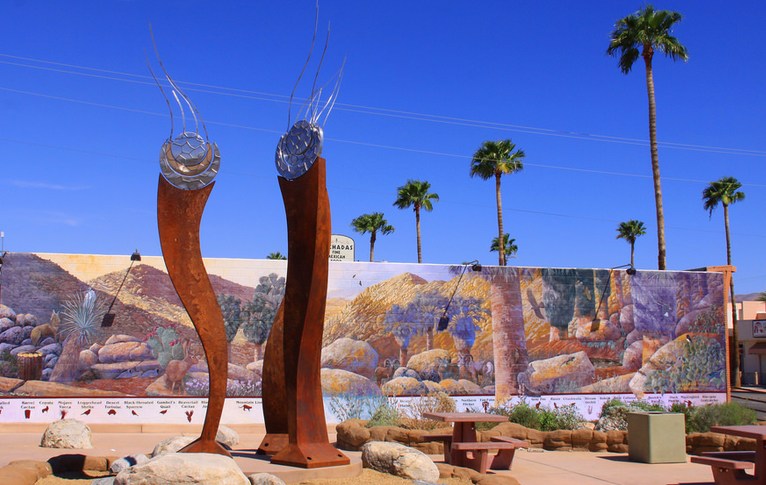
(508, 331)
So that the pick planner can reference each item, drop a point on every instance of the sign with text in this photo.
(759, 328)
(341, 248)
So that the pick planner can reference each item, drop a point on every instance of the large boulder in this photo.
(339, 381)
(632, 358)
(265, 479)
(123, 352)
(126, 462)
(689, 360)
(7, 312)
(563, 373)
(26, 319)
(406, 372)
(430, 362)
(352, 355)
(54, 348)
(5, 324)
(184, 469)
(460, 386)
(404, 386)
(227, 436)
(67, 433)
(171, 445)
(14, 335)
(118, 338)
(399, 460)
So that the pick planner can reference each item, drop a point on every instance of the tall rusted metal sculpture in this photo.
(188, 165)
(292, 393)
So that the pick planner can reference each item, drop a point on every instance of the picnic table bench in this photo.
(461, 448)
(729, 467)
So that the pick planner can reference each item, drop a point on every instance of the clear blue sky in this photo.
(426, 82)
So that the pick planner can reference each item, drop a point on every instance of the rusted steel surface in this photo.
(273, 379)
(179, 213)
(307, 208)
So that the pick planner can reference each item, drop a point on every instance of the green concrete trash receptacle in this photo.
(656, 437)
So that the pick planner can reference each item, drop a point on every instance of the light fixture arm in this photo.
(444, 319)
(136, 256)
(596, 323)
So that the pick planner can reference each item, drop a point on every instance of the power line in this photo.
(357, 143)
(376, 111)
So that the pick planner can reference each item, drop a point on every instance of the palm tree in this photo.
(276, 255)
(725, 191)
(649, 30)
(630, 231)
(493, 159)
(509, 247)
(415, 194)
(761, 297)
(372, 223)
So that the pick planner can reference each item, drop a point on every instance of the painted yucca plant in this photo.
(80, 325)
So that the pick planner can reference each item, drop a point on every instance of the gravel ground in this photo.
(368, 477)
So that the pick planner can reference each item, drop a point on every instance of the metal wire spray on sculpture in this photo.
(188, 165)
(296, 432)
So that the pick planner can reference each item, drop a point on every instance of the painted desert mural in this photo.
(390, 329)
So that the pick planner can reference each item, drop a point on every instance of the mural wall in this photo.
(543, 333)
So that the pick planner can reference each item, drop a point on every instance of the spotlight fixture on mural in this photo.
(596, 323)
(108, 319)
(444, 319)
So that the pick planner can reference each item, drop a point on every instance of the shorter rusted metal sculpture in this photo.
(188, 165)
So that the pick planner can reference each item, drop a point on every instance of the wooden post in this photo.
(30, 365)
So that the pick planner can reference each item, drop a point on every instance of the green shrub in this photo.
(701, 418)
(535, 417)
(385, 415)
(355, 405)
(411, 417)
(614, 413)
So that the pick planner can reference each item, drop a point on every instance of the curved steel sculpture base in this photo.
(292, 387)
(179, 213)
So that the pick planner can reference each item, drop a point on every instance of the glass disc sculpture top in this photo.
(298, 149)
(189, 162)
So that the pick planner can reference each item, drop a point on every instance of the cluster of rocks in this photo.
(353, 435)
(18, 335)
(120, 357)
(353, 366)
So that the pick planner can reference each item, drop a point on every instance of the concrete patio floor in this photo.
(535, 467)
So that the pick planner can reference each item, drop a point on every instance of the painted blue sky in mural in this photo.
(425, 83)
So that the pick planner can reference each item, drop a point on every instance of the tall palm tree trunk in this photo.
(501, 245)
(735, 335)
(372, 246)
(508, 337)
(655, 158)
(417, 229)
(632, 253)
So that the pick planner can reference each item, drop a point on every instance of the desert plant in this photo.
(537, 417)
(164, 344)
(614, 413)
(8, 365)
(386, 415)
(701, 418)
(80, 325)
(236, 388)
(701, 365)
(433, 402)
(355, 405)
